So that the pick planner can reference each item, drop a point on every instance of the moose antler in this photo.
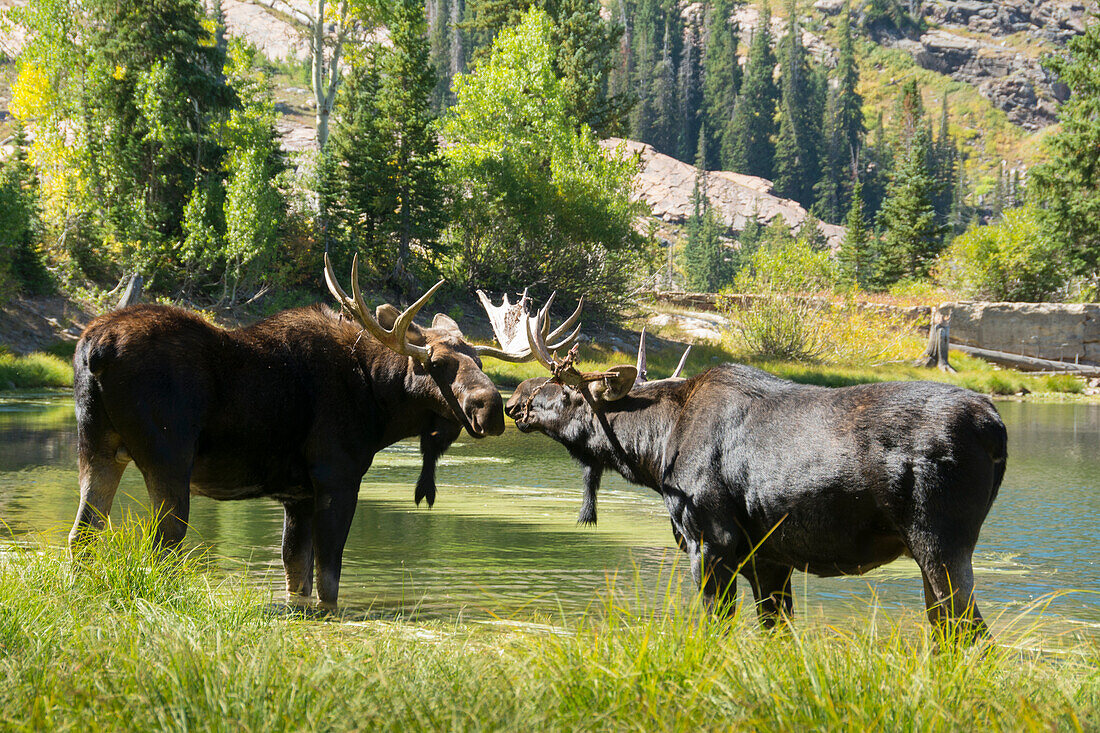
(643, 373)
(508, 319)
(394, 339)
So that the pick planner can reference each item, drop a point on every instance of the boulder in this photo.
(666, 184)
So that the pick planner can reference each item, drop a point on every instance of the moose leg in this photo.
(298, 547)
(170, 501)
(771, 589)
(949, 592)
(99, 477)
(332, 517)
(715, 576)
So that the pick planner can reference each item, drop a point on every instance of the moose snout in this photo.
(486, 413)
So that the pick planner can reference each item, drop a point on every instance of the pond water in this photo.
(502, 540)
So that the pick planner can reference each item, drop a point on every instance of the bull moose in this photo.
(762, 476)
(293, 408)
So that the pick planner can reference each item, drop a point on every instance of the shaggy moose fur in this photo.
(762, 476)
(292, 408)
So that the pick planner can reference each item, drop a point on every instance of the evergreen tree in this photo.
(801, 110)
(1066, 184)
(647, 35)
(845, 130)
(751, 148)
(721, 78)
(704, 254)
(911, 236)
(390, 167)
(585, 45)
(448, 58)
(854, 256)
(154, 93)
(21, 267)
(690, 91)
(945, 163)
(663, 94)
(874, 169)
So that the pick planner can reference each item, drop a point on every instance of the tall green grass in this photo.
(34, 370)
(134, 639)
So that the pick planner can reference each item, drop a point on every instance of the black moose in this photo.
(293, 408)
(762, 476)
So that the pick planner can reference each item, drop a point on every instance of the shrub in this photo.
(783, 263)
(780, 328)
(1009, 260)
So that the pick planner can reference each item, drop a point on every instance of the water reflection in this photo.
(502, 537)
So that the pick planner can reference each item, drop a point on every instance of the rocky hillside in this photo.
(666, 186)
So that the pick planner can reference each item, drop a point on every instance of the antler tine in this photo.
(538, 345)
(394, 339)
(544, 317)
(568, 322)
(683, 360)
(508, 321)
(642, 374)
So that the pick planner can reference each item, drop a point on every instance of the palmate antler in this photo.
(508, 321)
(395, 338)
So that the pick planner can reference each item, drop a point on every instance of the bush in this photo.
(783, 263)
(1010, 260)
(537, 200)
(778, 328)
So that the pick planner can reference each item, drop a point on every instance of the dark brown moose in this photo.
(762, 476)
(292, 408)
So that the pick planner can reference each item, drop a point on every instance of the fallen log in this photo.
(1029, 363)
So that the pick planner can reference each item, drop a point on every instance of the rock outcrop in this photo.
(997, 48)
(666, 184)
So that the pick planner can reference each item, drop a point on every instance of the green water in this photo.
(502, 539)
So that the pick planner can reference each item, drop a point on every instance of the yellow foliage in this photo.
(32, 94)
(119, 72)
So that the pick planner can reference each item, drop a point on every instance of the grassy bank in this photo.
(135, 642)
(34, 370)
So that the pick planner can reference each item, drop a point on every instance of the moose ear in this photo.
(387, 314)
(615, 385)
(445, 323)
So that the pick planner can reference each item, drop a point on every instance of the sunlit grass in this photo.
(34, 370)
(135, 639)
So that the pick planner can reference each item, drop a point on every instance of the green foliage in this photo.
(706, 262)
(538, 202)
(21, 267)
(784, 263)
(750, 149)
(774, 327)
(912, 235)
(721, 79)
(844, 131)
(1012, 259)
(1066, 185)
(34, 370)
(387, 195)
(585, 46)
(890, 16)
(801, 111)
(855, 257)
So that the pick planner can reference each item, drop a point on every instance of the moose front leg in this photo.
(771, 589)
(333, 510)
(434, 441)
(298, 547)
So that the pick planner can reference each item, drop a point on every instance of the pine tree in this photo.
(854, 256)
(911, 235)
(945, 163)
(585, 44)
(704, 255)
(663, 93)
(845, 130)
(447, 55)
(690, 85)
(721, 78)
(751, 148)
(647, 35)
(798, 147)
(389, 167)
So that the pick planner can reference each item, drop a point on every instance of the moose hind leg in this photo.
(298, 547)
(99, 478)
(771, 589)
(949, 593)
